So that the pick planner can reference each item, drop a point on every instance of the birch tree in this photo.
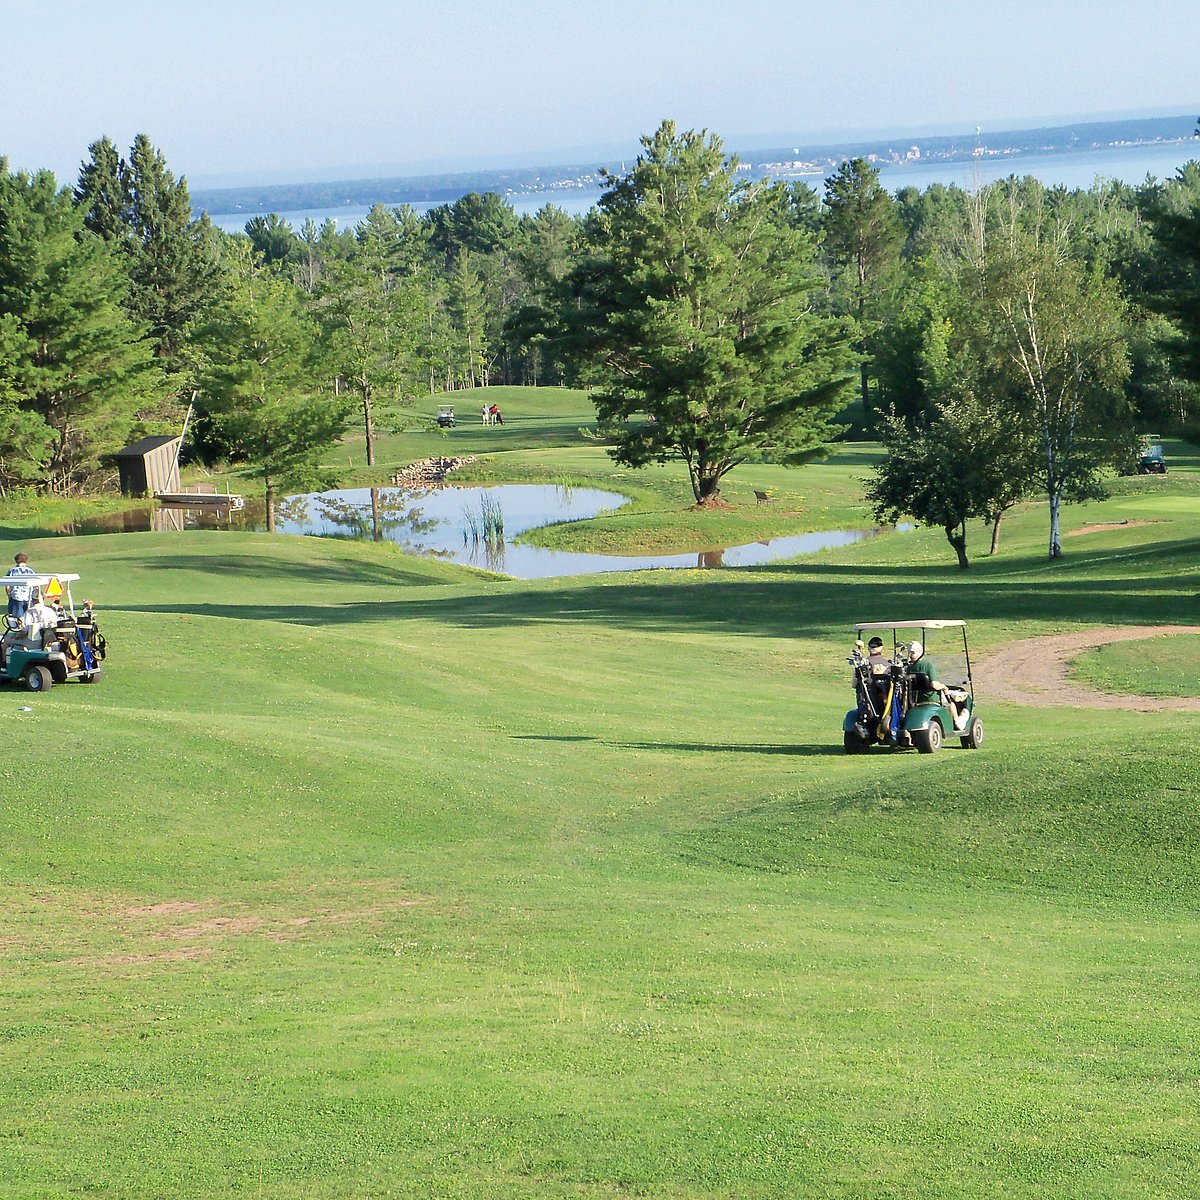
(1049, 334)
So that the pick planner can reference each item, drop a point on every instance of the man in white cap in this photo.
(925, 684)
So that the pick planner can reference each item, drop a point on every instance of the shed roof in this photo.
(142, 448)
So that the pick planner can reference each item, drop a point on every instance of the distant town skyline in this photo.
(282, 90)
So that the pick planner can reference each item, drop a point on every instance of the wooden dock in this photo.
(195, 498)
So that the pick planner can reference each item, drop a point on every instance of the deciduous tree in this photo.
(374, 317)
(261, 381)
(1048, 334)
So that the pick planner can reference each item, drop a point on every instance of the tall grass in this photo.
(485, 525)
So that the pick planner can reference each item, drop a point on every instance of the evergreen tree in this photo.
(70, 356)
(482, 224)
(140, 207)
(103, 191)
(273, 239)
(1174, 215)
(544, 251)
(466, 307)
(172, 269)
(25, 438)
(864, 235)
(694, 302)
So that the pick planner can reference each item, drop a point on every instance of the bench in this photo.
(763, 497)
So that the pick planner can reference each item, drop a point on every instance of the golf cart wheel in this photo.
(38, 679)
(973, 738)
(928, 741)
(89, 677)
(854, 744)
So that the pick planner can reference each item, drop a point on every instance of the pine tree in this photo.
(862, 230)
(273, 239)
(1174, 215)
(103, 191)
(694, 303)
(140, 207)
(72, 358)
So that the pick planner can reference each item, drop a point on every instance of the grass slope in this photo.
(1155, 667)
(361, 876)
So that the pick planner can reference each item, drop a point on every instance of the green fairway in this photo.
(361, 875)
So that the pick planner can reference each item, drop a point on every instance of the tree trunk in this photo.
(708, 490)
(376, 520)
(996, 533)
(956, 535)
(368, 421)
(270, 505)
(1055, 543)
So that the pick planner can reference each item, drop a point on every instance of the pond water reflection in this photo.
(477, 526)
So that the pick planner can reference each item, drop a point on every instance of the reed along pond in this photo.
(476, 526)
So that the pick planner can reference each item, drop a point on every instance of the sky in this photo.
(258, 91)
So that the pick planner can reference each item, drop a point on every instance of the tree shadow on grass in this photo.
(799, 750)
(1155, 584)
(767, 610)
(243, 563)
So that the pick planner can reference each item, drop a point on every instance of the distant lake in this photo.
(1072, 170)
(575, 201)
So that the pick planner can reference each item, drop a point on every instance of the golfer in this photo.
(923, 675)
(19, 594)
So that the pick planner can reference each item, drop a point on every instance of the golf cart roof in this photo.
(43, 580)
(863, 626)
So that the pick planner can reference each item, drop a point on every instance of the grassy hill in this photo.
(361, 875)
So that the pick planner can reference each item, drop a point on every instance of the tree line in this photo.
(1002, 342)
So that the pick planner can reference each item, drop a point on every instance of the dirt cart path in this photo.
(1034, 670)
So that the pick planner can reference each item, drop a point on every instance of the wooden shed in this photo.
(149, 466)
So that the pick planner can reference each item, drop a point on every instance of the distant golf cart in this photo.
(445, 416)
(1151, 461)
(65, 645)
(895, 706)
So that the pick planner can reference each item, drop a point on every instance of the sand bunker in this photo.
(1101, 526)
(1034, 670)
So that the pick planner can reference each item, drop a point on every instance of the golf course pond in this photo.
(477, 526)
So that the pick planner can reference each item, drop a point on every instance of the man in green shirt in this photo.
(924, 684)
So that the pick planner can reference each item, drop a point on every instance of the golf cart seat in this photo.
(21, 638)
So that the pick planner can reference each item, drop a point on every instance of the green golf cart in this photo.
(918, 697)
(54, 643)
(1151, 460)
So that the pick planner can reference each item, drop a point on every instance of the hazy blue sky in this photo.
(277, 88)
